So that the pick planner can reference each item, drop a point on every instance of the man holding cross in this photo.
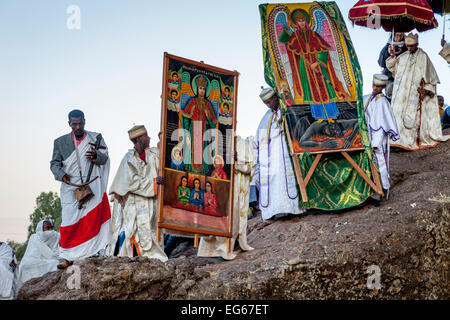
(414, 100)
(85, 227)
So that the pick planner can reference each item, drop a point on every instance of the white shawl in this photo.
(41, 255)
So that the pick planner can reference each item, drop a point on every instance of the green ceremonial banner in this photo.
(335, 184)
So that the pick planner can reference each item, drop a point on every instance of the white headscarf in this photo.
(41, 255)
(49, 237)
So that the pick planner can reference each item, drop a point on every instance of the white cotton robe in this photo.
(214, 246)
(87, 231)
(8, 275)
(41, 255)
(135, 190)
(415, 123)
(382, 129)
(274, 175)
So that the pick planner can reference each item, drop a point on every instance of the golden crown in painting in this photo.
(201, 82)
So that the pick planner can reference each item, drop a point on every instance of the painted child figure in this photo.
(210, 198)
(196, 195)
(183, 191)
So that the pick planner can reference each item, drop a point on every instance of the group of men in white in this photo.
(411, 121)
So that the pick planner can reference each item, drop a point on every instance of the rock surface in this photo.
(321, 255)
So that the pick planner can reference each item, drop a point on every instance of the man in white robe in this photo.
(8, 272)
(274, 176)
(414, 100)
(42, 253)
(381, 125)
(85, 231)
(214, 246)
(135, 190)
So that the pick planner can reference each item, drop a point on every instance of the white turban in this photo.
(380, 79)
(266, 94)
(411, 39)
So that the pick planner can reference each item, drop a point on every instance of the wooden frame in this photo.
(207, 71)
(303, 182)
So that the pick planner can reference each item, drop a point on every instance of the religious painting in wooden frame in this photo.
(313, 74)
(198, 121)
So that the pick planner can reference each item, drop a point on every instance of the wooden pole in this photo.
(313, 168)
(376, 178)
(443, 15)
(162, 154)
(196, 240)
(297, 168)
(360, 171)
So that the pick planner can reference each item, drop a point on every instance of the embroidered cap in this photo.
(136, 131)
(411, 39)
(266, 94)
(380, 79)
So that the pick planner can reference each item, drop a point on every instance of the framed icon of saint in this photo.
(198, 119)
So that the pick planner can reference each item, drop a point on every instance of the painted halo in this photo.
(172, 154)
(220, 157)
(176, 90)
(222, 107)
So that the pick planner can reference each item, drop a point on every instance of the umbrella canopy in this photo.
(441, 7)
(401, 15)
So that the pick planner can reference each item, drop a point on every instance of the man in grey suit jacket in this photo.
(63, 148)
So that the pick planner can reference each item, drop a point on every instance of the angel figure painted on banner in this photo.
(183, 191)
(173, 102)
(226, 95)
(226, 110)
(210, 198)
(312, 70)
(218, 171)
(175, 78)
(174, 94)
(196, 194)
(177, 159)
(196, 118)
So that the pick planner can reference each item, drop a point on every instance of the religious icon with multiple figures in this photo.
(198, 121)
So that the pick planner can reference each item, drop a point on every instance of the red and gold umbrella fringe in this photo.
(396, 16)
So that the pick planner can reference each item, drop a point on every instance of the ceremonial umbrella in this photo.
(398, 15)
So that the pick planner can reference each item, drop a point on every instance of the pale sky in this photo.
(111, 68)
